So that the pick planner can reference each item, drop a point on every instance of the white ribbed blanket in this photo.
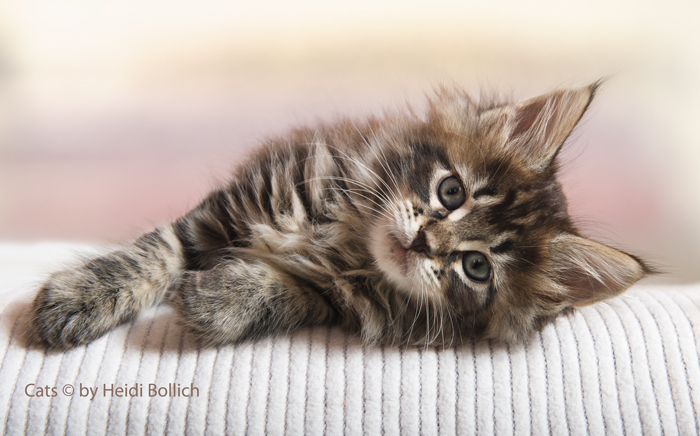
(628, 366)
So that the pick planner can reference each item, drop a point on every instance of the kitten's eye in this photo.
(451, 193)
(476, 266)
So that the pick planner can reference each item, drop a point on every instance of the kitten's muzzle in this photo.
(420, 245)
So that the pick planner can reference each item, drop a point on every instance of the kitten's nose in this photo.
(420, 245)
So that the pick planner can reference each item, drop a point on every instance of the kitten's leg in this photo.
(240, 300)
(78, 305)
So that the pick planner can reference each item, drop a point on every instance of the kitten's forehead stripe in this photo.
(503, 247)
(423, 151)
(506, 202)
(485, 191)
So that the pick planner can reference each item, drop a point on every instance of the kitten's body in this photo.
(405, 230)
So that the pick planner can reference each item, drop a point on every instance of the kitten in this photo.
(405, 230)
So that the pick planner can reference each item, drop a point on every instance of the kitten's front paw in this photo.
(72, 308)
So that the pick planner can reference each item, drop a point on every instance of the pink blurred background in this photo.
(120, 116)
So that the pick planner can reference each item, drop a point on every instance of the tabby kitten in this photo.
(404, 229)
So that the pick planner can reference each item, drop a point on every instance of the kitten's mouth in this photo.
(393, 256)
(400, 253)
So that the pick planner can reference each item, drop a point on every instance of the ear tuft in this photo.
(592, 272)
(539, 126)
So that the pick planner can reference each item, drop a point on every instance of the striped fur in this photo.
(346, 225)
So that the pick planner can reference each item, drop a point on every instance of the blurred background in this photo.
(118, 116)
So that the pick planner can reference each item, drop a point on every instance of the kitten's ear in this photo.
(592, 272)
(538, 127)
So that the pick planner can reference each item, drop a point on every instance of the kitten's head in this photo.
(475, 221)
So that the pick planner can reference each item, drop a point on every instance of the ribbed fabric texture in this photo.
(627, 366)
